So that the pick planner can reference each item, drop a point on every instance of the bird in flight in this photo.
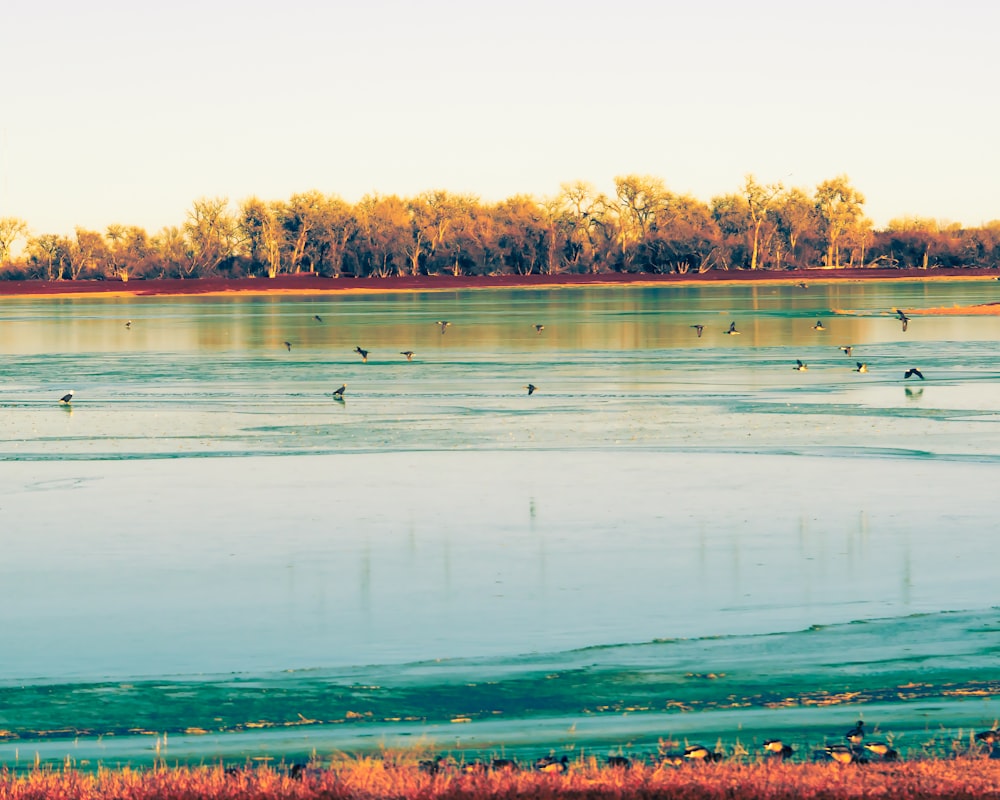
(539, 328)
(317, 317)
(913, 371)
(408, 354)
(339, 393)
(67, 398)
(442, 323)
(128, 323)
(861, 367)
(819, 326)
(698, 329)
(901, 316)
(732, 330)
(289, 346)
(531, 388)
(847, 348)
(362, 353)
(800, 366)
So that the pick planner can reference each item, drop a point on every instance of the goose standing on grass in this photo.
(67, 398)
(840, 753)
(989, 737)
(552, 764)
(362, 353)
(775, 748)
(883, 750)
(857, 733)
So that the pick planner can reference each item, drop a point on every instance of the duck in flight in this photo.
(408, 354)
(531, 388)
(128, 324)
(847, 348)
(443, 324)
(67, 398)
(862, 367)
(289, 346)
(362, 353)
(699, 329)
(539, 328)
(819, 326)
(799, 366)
(317, 317)
(339, 393)
(902, 318)
(913, 371)
(732, 330)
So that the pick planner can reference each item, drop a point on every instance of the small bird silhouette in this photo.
(732, 330)
(699, 329)
(408, 354)
(289, 346)
(913, 371)
(67, 398)
(847, 348)
(443, 324)
(819, 326)
(317, 317)
(128, 323)
(861, 367)
(531, 388)
(362, 353)
(339, 393)
(901, 316)
(539, 328)
(799, 366)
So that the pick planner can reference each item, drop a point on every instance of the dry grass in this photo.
(400, 778)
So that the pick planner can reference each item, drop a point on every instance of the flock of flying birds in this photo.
(443, 325)
(848, 349)
(857, 750)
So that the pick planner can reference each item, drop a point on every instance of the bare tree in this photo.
(11, 229)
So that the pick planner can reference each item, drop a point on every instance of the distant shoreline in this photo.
(312, 284)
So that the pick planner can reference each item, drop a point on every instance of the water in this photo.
(673, 536)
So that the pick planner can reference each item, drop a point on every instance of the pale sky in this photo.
(122, 111)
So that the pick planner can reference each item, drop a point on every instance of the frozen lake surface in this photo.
(207, 541)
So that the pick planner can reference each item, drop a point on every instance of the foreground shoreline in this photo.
(393, 776)
(312, 284)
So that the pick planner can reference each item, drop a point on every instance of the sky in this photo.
(124, 112)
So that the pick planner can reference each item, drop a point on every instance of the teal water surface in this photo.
(205, 540)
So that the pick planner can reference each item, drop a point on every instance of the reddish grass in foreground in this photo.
(375, 779)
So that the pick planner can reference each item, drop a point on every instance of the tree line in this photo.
(642, 228)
